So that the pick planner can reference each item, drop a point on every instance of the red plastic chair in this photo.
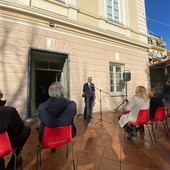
(55, 137)
(5, 146)
(142, 119)
(159, 116)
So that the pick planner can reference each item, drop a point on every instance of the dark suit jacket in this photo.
(2, 102)
(86, 90)
(10, 121)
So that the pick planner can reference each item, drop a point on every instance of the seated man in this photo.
(11, 122)
(57, 110)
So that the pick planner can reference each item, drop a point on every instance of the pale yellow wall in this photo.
(85, 19)
(90, 6)
(133, 15)
(88, 11)
(21, 2)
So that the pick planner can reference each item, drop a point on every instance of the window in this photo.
(113, 11)
(117, 84)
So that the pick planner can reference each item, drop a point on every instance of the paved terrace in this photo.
(102, 146)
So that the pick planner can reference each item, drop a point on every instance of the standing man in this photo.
(89, 97)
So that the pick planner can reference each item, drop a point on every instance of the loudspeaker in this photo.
(127, 75)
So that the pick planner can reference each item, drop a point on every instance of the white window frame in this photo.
(114, 10)
(62, 1)
(117, 84)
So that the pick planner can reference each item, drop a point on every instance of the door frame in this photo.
(31, 64)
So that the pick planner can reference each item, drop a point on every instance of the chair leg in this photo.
(166, 122)
(67, 151)
(38, 154)
(156, 124)
(74, 167)
(37, 161)
(149, 132)
(40, 157)
(20, 159)
(164, 125)
(137, 141)
(124, 135)
(15, 161)
(153, 132)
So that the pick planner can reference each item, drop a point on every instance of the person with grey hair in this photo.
(57, 110)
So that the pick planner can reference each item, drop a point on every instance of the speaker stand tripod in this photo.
(101, 114)
(124, 101)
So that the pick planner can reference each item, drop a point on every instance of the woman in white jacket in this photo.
(139, 101)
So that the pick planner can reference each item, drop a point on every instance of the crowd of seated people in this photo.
(141, 100)
(59, 111)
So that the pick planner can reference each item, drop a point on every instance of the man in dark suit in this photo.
(89, 97)
(18, 133)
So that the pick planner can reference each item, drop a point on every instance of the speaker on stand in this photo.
(126, 77)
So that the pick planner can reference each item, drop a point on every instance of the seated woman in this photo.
(138, 102)
(156, 100)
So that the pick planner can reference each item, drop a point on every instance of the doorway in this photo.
(45, 67)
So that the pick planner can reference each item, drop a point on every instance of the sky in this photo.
(158, 18)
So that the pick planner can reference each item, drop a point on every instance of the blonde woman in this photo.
(139, 101)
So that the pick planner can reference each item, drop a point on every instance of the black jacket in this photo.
(10, 121)
(155, 101)
(2, 102)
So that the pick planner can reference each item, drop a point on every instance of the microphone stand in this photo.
(101, 114)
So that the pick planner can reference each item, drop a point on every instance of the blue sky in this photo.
(158, 22)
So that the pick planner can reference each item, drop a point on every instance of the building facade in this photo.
(43, 41)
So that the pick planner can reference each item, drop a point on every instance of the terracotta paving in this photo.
(102, 146)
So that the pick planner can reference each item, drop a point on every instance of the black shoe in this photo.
(134, 134)
(119, 117)
(141, 131)
(129, 136)
(53, 150)
(11, 163)
(19, 159)
(2, 164)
